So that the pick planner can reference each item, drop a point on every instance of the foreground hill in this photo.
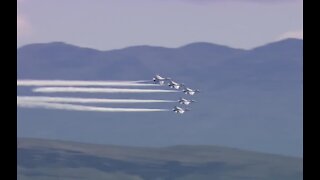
(51, 159)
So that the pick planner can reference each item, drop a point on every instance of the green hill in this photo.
(53, 160)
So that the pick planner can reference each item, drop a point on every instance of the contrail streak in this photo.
(88, 100)
(81, 83)
(98, 90)
(72, 107)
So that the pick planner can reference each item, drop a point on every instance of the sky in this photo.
(115, 24)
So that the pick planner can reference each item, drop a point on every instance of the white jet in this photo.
(175, 85)
(160, 80)
(190, 91)
(179, 110)
(185, 101)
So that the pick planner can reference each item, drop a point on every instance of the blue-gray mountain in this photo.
(250, 99)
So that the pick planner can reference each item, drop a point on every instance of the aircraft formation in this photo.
(83, 103)
(178, 86)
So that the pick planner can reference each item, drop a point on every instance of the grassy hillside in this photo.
(52, 160)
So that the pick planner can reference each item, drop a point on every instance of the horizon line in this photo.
(156, 46)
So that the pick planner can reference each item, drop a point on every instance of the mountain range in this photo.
(250, 99)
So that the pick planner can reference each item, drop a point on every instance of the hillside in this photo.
(51, 159)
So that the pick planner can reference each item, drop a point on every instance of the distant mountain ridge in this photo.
(250, 99)
(73, 55)
(72, 58)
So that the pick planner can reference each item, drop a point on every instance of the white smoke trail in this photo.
(87, 100)
(98, 90)
(72, 107)
(81, 83)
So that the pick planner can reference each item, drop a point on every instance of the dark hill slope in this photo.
(50, 159)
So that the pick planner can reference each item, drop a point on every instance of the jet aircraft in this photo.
(160, 80)
(175, 85)
(185, 101)
(190, 91)
(179, 110)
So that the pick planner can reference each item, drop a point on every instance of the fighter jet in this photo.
(160, 80)
(185, 101)
(179, 110)
(190, 91)
(175, 85)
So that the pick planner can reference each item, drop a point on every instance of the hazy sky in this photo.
(113, 24)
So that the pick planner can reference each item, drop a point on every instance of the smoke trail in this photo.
(87, 100)
(72, 107)
(98, 90)
(81, 83)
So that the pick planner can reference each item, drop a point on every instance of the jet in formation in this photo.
(175, 85)
(185, 101)
(179, 110)
(190, 91)
(160, 80)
